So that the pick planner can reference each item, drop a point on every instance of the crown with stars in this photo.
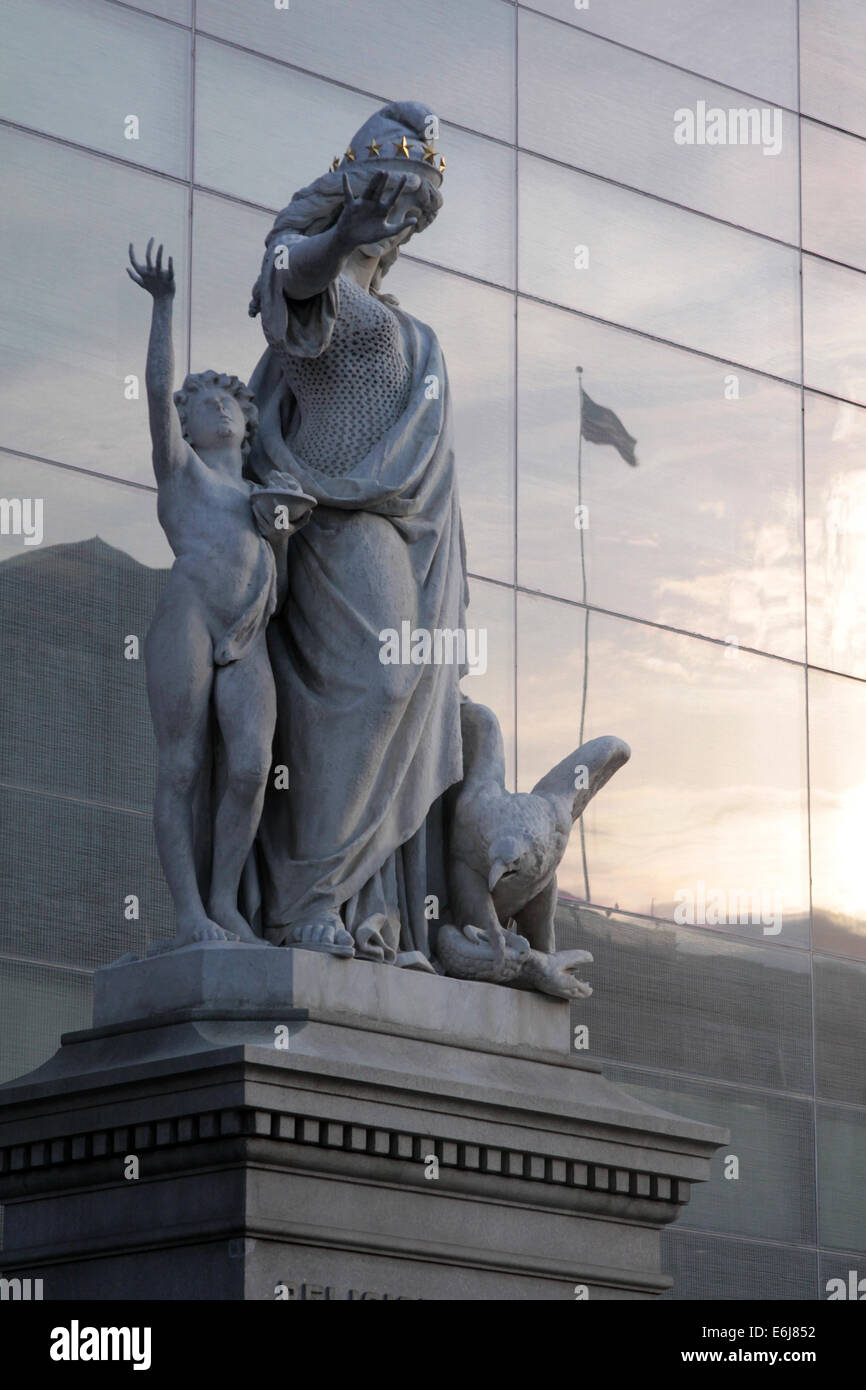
(396, 135)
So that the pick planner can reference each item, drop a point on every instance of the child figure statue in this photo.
(206, 651)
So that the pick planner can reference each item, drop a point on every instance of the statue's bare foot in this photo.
(233, 922)
(201, 928)
(323, 933)
(554, 974)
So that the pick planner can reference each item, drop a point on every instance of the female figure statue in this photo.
(391, 834)
(353, 403)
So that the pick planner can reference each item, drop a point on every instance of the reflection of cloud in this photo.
(674, 670)
(848, 424)
(839, 533)
(665, 271)
(836, 534)
(660, 839)
(715, 789)
(838, 819)
(834, 305)
(756, 601)
(698, 514)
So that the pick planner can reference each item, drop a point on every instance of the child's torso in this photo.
(211, 529)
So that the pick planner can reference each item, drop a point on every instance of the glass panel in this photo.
(707, 1267)
(475, 325)
(37, 1004)
(491, 614)
(685, 1000)
(840, 1028)
(617, 113)
(834, 346)
(67, 874)
(748, 46)
(179, 10)
(656, 268)
(244, 107)
(474, 232)
(67, 348)
(70, 604)
(836, 534)
(837, 770)
(772, 1136)
(262, 130)
(84, 71)
(459, 57)
(695, 536)
(834, 194)
(842, 1178)
(709, 817)
(833, 62)
(228, 245)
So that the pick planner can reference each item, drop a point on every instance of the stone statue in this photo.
(503, 853)
(353, 402)
(391, 837)
(206, 650)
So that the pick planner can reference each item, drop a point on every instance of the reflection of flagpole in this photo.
(580, 478)
(585, 608)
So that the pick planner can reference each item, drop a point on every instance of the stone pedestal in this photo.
(314, 1128)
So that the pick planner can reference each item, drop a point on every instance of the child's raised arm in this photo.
(169, 446)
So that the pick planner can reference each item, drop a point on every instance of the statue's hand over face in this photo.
(364, 220)
(157, 280)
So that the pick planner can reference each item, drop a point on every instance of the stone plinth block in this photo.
(244, 1123)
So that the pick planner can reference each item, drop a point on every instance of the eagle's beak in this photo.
(495, 874)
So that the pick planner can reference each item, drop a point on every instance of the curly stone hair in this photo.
(197, 381)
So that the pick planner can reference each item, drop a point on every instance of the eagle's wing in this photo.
(571, 785)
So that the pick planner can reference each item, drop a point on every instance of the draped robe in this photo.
(370, 747)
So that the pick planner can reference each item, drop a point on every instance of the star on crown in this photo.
(402, 148)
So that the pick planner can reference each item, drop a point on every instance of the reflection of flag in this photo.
(600, 426)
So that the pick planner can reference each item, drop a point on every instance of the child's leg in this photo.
(246, 707)
(179, 664)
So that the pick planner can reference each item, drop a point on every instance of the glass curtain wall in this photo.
(667, 194)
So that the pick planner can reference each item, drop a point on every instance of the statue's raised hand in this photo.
(152, 277)
(364, 220)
